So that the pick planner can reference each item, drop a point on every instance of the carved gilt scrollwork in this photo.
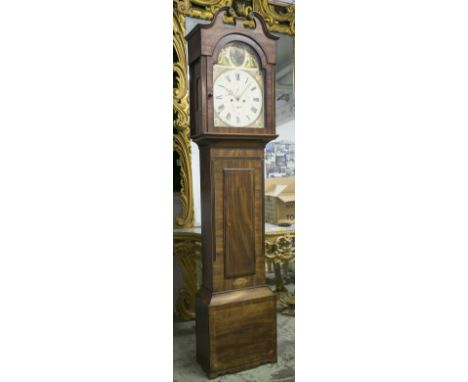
(281, 249)
(201, 9)
(279, 18)
(187, 253)
(181, 125)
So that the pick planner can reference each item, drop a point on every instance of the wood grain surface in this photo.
(239, 210)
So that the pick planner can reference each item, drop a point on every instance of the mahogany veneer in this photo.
(235, 310)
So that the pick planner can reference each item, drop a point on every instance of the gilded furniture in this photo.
(280, 251)
(187, 254)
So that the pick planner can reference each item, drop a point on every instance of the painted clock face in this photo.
(238, 88)
(237, 98)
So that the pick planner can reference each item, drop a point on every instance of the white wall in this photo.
(286, 131)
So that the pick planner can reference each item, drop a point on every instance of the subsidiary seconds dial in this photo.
(237, 98)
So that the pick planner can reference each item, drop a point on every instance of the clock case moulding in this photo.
(204, 44)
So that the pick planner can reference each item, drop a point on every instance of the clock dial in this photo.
(238, 98)
(238, 87)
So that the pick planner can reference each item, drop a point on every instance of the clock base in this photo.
(235, 330)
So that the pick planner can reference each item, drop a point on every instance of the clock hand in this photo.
(238, 98)
(229, 90)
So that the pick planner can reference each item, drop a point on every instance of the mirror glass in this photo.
(279, 154)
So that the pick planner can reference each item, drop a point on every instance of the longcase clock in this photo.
(232, 116)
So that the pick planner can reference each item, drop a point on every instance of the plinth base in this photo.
(235, 330)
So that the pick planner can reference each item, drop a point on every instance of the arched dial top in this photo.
(238, 93)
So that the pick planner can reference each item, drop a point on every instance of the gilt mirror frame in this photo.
(279, 17)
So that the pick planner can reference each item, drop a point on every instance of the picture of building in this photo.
(279, 159)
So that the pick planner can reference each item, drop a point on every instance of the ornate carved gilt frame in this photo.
(279, 17)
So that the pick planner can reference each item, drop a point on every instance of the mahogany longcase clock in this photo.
(232, 116)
